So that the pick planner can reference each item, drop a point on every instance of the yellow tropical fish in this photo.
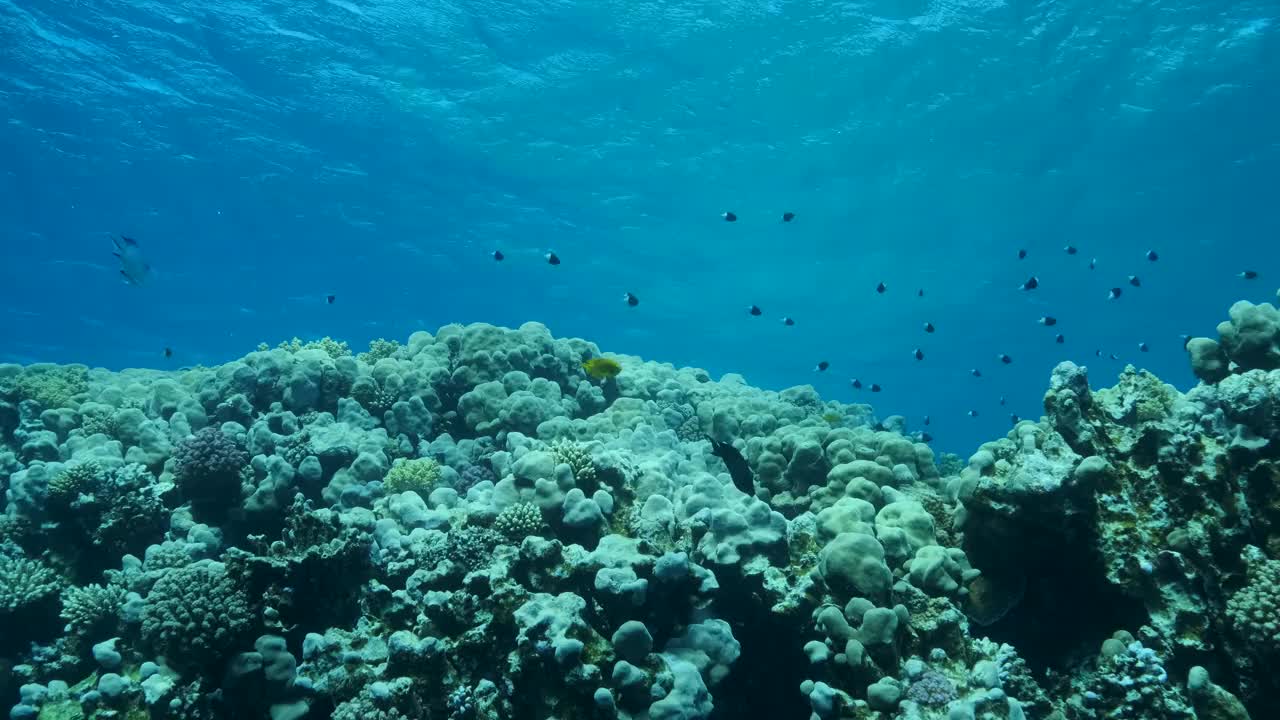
(602, 368)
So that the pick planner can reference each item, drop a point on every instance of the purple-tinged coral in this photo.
(933, 689)
(208, 466)
(472, 475)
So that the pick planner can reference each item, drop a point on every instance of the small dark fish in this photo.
(330, 299)
(497, 255)
(1048, 321)
(788, 216)
(1060, 339)
(1022, 254)
(875, 387)
(168, 352)
(1186, 339)
(920, 292)
(1070, 250)
(856, 384)
(1093, 263)
(1115, 293)
(1005, 358)
(1001, 401)
(1013, 418)
(1152, 256)
(1142, 347)
(1097, 353)
(630, 299)
(919, 354)
(729, 217)
(553, 259)
(1249, 275)
(755, 310)
(926, 437)
(739, 470)
(1134, 281)
(1031, 284)
(928, 327)
(975, 372)
(822, 366)
(973, 413)
(881, 288)
(1114, 356)
(926, 419)
(788, 321)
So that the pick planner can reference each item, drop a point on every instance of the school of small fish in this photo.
(136, 271)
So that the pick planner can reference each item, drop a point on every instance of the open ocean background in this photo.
(267, 154)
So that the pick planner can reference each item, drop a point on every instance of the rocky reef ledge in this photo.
(476, 525)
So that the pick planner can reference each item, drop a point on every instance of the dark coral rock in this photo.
(208, 470)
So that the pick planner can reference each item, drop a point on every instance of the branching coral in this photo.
(378, 349)
(519, 521)
(91, 608)
(75, 479)
(23, 582)
(52, 386)
(333, 348)
(420, 475)
(578, 457)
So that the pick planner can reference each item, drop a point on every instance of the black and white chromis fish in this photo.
(739, 470)
(630, 300)
(133, 267)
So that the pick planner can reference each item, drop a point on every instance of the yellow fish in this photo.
(602, 368)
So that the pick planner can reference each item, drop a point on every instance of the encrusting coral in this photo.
(476, 524)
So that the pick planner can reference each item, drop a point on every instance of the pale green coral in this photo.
(378, 350)
(74, 480)
(52, 386)
(101, 420)
(420, 475)
(333, 348)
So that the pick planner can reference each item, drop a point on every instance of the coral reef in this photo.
(473, 525)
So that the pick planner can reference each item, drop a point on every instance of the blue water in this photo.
(267, 154)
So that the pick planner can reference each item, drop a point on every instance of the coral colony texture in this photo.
(470, 526)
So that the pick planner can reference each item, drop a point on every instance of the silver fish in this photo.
(133, 267)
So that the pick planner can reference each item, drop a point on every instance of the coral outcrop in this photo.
(469, 525)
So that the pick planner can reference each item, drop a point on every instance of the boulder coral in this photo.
(467, 525)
